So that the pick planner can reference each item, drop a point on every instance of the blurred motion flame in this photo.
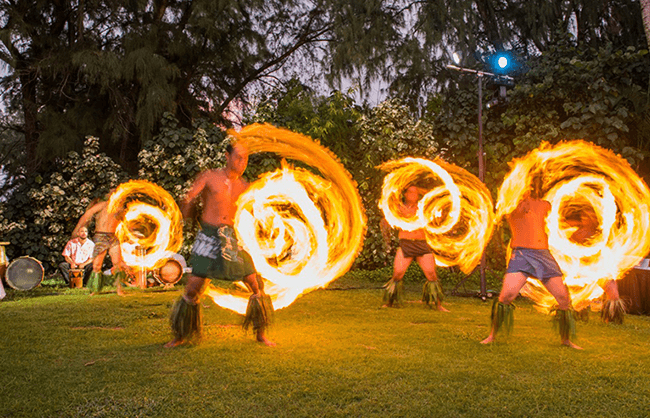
(151, 227)
(598, 223)
(456, 212)
(301, 229)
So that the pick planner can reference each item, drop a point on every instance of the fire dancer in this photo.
(613, 309)
(531, 258)
(412, 245)
(216, 253)
(105, 242)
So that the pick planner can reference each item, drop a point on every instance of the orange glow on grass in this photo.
(456, 212)
(151, 229)
(597, 227)
(303, 230)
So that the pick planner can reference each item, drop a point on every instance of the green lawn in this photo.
(338, 355)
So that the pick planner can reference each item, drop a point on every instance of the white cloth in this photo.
(78, 252)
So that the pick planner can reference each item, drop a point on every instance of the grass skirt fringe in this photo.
(95, 282)
(503, 316)
(613, 311)
(582, 315)
(432, 293)
(186, 320)
(393, 292)
(565, 321)
(259, 313)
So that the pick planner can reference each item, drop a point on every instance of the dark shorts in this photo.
(217, 255)
(413, 248)
(535, 263)
(104, 241)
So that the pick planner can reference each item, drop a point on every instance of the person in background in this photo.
(78, 254)
(412, 246)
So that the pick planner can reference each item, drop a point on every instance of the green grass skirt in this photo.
(394, 293)
(186, 320)
(565, 321)
(613, 311)
(502, 316)
(432, 293)
(259, 313)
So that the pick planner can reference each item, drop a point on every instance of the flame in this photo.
(151, 227)
(598, 223)
(456, 213)
(301, 229)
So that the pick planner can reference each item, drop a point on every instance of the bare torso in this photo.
(528, 224)
(218, 193)
(410, 211)
(104, 220)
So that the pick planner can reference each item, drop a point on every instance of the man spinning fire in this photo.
(105, 243)
(216, 253)
(531, 258)
(412, 245)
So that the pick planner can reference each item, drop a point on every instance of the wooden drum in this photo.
(76, 278)
(170, 273)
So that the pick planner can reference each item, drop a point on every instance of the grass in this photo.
(65, 354)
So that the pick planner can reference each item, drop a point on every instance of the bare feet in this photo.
(262, 339)
(442, 308)
(174, 343)
(488, 340)
(571, 345)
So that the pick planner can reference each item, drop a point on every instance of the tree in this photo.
(112, 69)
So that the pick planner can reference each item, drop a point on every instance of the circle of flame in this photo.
(457, 216)
(302, 230)
(580, 177)
(151, 227)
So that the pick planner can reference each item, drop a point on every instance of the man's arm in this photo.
(86, 217)
(188, 205)
(385, 231)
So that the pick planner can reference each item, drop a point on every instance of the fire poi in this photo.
(302, 230)
(456, 213)
(151, 229)
(582, 180)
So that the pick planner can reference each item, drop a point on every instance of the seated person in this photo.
(78, 255)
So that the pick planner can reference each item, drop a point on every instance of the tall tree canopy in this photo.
(111, 69)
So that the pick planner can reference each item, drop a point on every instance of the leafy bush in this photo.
(39, 216)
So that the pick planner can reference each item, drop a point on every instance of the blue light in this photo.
(502, 62)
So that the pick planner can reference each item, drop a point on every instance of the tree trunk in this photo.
(645, 13)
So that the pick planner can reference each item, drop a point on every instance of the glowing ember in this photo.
(456, 212)
(302, 230)
(598, 223)
(151, 228)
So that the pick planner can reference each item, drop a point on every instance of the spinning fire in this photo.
(598, 224)
(151, 228)
(302, 229)
(456, 212)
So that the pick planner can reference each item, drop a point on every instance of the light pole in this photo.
(481, 154)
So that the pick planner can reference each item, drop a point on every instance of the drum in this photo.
(3, 260)
(76, 278)
(170, 273)
(24, 273)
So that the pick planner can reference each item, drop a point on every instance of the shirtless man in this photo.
(216, 253)
(412, 245)
(105, 242)
(531, 258)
